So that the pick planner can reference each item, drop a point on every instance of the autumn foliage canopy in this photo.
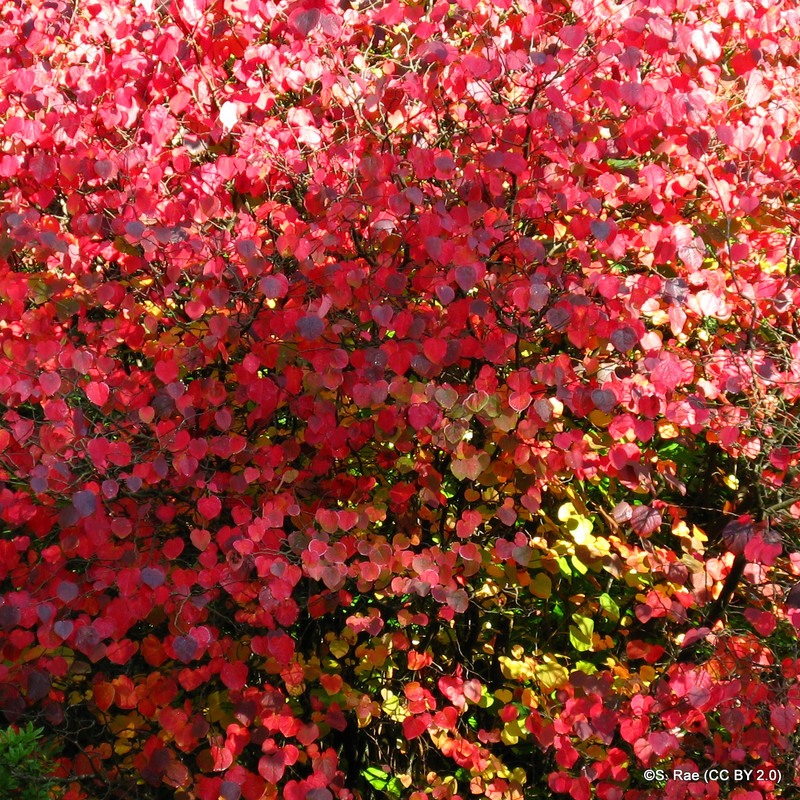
(399, 399)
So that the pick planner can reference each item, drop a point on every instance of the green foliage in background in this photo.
(26, 765)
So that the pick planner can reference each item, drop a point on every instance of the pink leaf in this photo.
(274, 286)
(50, 382)
(572, 35)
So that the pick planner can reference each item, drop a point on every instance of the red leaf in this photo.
(209, 507)
(421, 415)
(166, 371)
(560, 782)
(416, 726)
(784, 718)
(632, 729)
(759, 551)
(435, 350)
(307, 734)
(417, 661)
(194, 309)
(446, 718)
(271, 767)
(103, 695)
(670, 374)
(645, 520)
(452, 689)
(234, 675)
(331, 683)
(663, 743)
(42, 167)
(281, 647)
(763, 621)
(121, 652)
(223, 757)
(200, 538)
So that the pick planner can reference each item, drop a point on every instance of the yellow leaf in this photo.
(680, 528)
(529, 699)
(577, 501)
(567, 511)
(142, 282)
(511, 733)
(647, 674)
(666, 430)
(520, 775)
(731, 481)
(690, 561)
(339, 648)
(517, 670)
(599, 418)
(550, 675)
(151, 308)
(392, 706)
(489, 589)
(504, 696)
(121, 747)
(541, 586)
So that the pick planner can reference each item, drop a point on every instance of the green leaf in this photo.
(580, 634)
(609, 606)
(579, 565)
(564, 567)
(383, 782)
(25, 764)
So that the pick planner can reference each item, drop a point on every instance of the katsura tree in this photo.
(400, 399)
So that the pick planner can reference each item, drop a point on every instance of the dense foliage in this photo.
(25, 767)
(400, 399)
